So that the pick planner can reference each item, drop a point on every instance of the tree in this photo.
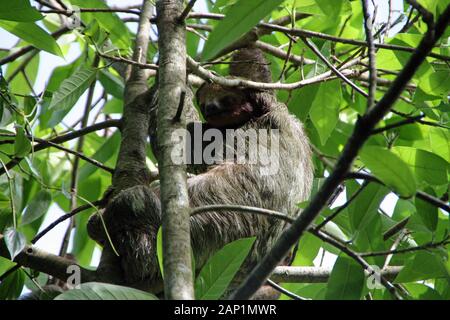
(374, 98)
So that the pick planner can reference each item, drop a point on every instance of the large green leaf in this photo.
(220, 269)
(37, 207)
(439, 139)
(23, 81)
(18, 10)
(362, 209)
(325, 109)
(425, 165)
(436, 84)
(308, 249)
(113, 85)
(22, 145)
(103, 154)
(390, 169)
(15, 241)
(428, 213)
(346, 280)
(12, 286)
(69, 92)
(116, 28)
(240, 18)
(105, 291)
(425, 265)
(33, 34)
(422, 292)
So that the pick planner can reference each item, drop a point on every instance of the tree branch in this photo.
(131, 168)
(42, 261)
(313, 34)
(43, 144)
(326, 76)
(372, 63)
(178, 282)
(316, 274)
(419, 194)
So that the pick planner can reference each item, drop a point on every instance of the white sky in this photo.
(51, 242)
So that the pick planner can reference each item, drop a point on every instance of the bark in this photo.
(178, 280)
(131, 168)
(45, 262)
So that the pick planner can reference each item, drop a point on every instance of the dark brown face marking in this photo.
(224, 107)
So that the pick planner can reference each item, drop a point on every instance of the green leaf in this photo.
(436, 84)
(425, 165)
(12, 286)
(325, 109)
(22, 146)
(346, 280)
(390, 169)
(425, 265)
(159, 251)
(239, 19)
(18, 10)
(220, 269)
(105, 291)
(111, 22)
(15, 241)
(37, 207)
(112, 84)
(33, 34)
(363, 208)
(308, 249)
(422, 292)
(439, 139)
(427, 212)
(69, 92)
(302, 100)
(103, 154)
(113, 106)
(20, 84)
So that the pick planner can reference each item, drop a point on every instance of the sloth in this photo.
(133, 215)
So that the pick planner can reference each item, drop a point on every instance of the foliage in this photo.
(43, 97)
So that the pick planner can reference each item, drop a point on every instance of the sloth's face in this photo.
(224, 107)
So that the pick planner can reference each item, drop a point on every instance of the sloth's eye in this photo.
(228, 101)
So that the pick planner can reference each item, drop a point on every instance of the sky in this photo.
(51, 242)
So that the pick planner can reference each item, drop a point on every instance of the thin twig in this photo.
(186, 11)
(398, 124)
(430, 245)
(419, 194)
(341, 208)
(284, 291)
(371, 49)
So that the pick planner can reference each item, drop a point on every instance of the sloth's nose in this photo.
(212, 108)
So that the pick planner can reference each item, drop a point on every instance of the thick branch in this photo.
(178, 282)
(209, 76)
(316, 274)
(42, 261)
(131, 168)
(43, 144)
